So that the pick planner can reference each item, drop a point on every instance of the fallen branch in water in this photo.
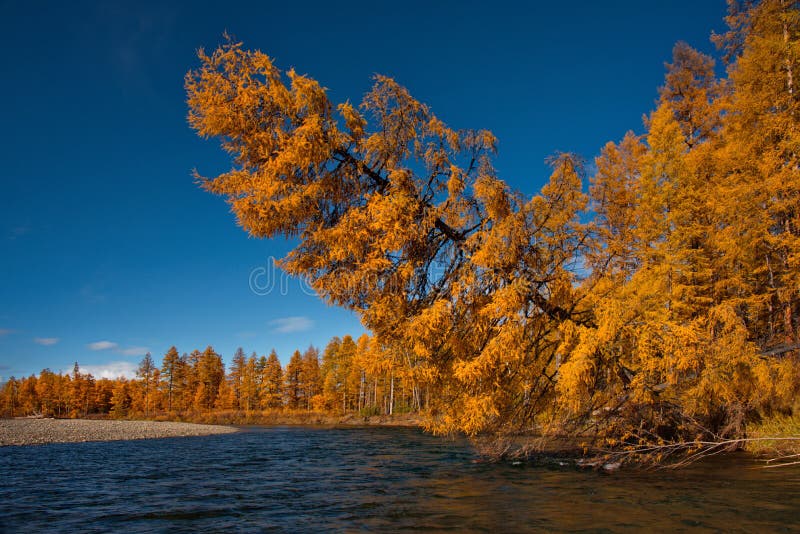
(781, 458)
(659, 455)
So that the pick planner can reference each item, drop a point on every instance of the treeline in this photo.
(350, 376)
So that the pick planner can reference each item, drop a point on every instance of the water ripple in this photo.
(309, 479)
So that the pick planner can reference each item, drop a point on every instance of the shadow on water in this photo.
(312, 479)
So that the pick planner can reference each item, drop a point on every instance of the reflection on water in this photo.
(311, 479)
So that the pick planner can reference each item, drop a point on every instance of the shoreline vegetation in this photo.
(646, 304)
(302, 418)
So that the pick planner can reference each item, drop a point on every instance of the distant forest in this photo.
(350, 376)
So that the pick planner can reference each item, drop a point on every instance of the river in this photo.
(298, 479)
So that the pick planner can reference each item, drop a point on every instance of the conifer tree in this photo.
(120, 399)
(310, 376)
(146, 372)
(293, 388)
(210, 373)
(272, 383)
(170, 373)
(236, 375)
(250, 386)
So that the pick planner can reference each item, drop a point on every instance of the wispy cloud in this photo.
(46, 341)
(110, 345)
(102, 345)
(288, 325)
(111, 370)
(134, 351)
(5, 331)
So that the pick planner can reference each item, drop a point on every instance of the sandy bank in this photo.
(38, 431)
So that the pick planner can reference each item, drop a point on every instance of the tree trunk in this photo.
(788, 61)
(391, 393)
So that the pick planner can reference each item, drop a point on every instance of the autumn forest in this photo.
(349, 377)
(650, 297)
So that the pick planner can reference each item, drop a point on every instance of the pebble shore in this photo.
(41, 431)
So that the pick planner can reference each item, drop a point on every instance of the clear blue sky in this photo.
(107, 247)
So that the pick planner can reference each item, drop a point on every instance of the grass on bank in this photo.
(776, 439)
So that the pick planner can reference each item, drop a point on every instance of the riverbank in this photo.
(41, 431)
(296, 418)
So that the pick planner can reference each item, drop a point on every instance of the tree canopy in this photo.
(656, 300)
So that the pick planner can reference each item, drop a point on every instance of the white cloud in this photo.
(46, 341)
(111, 370)
(134, 351)
(287, 325)
(110, 345)
(102, 345)
(5, 331)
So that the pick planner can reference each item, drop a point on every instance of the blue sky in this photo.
(107, 247)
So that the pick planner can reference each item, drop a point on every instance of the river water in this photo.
(298, 479)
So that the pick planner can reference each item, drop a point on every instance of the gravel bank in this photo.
(38, 431)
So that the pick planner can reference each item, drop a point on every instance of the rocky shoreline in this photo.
(41, 431)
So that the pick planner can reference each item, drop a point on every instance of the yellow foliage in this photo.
(668, 310)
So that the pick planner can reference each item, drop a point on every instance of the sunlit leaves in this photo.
(636, 312)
